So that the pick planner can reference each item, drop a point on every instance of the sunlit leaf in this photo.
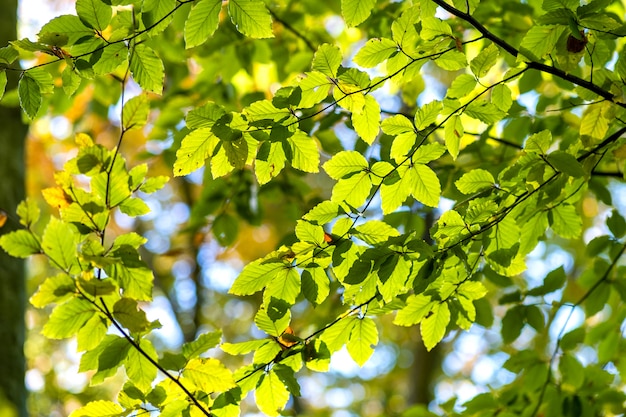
(210, 375)
(433, 327)
(147, 69)
(30, 95)
(202, 22)
(94, 13)
(271, 395)
(251, 18)
(68, 318)
(355, 12)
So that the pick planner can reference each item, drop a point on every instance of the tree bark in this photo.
(12, 276)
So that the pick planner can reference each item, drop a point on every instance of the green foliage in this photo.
(264, 104)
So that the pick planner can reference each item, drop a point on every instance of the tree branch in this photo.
(531, 64)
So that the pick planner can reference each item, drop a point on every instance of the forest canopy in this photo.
(363, 207)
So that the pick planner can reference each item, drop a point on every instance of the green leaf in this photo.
(135, 112)
(315, 285)
(344, 164)
(225, 229)
(271, 395)
(323, 213)
(594, 124)
(100, 408)
(194, 149)
(355, 12)
(210, 375)
(271, 327)
(128, 314)
(30, 95)
(539, 142)
(363, 338)
(403, 29)
(433, 27)
(367, 122)
(91, 334)
(474, 181)
(153, 184)
(59, 243)
(243, 347)
(512, 324)
(501, 97)
(485, 60)
(94, 13)
(202, 22)
(337, 335)
(539, 41)
(251, 18)
(433, 327)
(203, 343)
(375, 232)
(65, 30)
(417, 307)
(427, 114)
(71, 81)
(452, 61)
(484, 111)
(450, 226)
(427, 153)
(616, 224)
(315, 87)
(565, 221)
(255, 276)
(453, 132)
(3, 83)
(427, 188)
(461, 86)
(68, 318)
(327, 60)
(54, 289)
(270, 161)
(472, 290)
(147, 69)
(566, 163)
(139, 369)
(397, 125)
(352, 191)
(112, 57)
(304, 153)
(132, 274)
(157, 15)
(375, 51)
(20, 244)
(285, 286)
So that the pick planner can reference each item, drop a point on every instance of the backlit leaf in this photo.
(271, 395)
(147, 69)
(30, 95)
(210, 375)
(94, 13)
(363, 338)
(68, 318)
(251, 18)
(202, 22)
(433, 327)
(355, 12)
(474, 181)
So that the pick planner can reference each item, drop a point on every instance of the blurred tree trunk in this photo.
(426, 365)
(12, 275)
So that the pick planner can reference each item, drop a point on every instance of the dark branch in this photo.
(531, 64)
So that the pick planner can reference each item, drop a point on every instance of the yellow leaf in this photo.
(56, 197)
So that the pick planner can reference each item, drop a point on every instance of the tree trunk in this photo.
(12, 276)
